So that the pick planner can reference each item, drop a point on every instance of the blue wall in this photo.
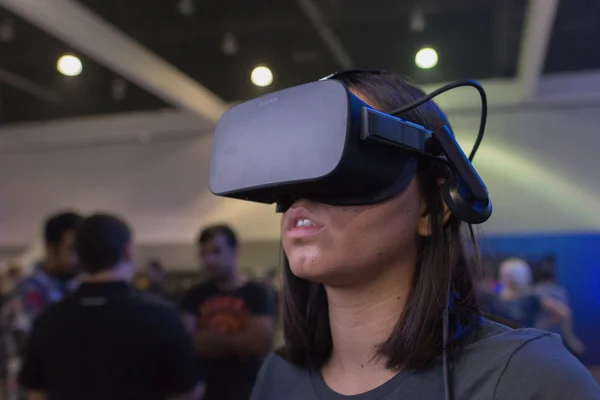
(578, 268)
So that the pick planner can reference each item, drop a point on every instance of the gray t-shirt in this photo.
(502, 364)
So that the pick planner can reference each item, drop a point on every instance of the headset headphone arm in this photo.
(466, 196)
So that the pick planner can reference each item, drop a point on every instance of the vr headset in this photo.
(318, 141)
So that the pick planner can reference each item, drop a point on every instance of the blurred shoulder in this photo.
(276, 365)
(27, 285)
(503, 342)
(200, 288)
(543, 368)
(152, 302)
(491, 331)
(527, 364)
(278, 379)
(257, 287)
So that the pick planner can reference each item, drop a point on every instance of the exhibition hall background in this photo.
(111, 106)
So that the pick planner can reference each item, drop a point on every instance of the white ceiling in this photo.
(538, 159)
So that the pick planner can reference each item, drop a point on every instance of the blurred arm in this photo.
(252, 341)
(189, 322)
(37, 396)
(196, 394)
(558, 310)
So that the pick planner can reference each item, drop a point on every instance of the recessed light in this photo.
(69, 65)
(261, 76)
(426, 58)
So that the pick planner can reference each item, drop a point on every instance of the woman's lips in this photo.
(299, 222)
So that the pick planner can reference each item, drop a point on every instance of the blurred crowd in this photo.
(522, 296)
(86, 323)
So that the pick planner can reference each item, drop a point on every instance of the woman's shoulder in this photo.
(498, 336)
(525, 364)
(275, 364)
(278, 379)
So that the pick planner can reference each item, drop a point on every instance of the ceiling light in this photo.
(69, 65)
(229, 45)
(261, 76)
(426, 58)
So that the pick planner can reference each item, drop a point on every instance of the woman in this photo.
(365, 289)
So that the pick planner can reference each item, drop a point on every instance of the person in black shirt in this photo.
(107, 341)
(230, 319)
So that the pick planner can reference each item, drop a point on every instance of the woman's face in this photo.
(350, 245)
(346, 245)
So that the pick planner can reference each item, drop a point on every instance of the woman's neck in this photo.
(361, 318)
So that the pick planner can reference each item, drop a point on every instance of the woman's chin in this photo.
(311, 269)
(316, 271)
(313, 265)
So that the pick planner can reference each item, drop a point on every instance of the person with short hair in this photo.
(230, 318)
(108, 341)
(48, 283)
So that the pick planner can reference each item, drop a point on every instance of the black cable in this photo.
(444, 89)
(445, 350)
(448, 395)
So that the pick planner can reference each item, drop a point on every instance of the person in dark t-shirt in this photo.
(48, 283)
(107, 341)
(230, 319)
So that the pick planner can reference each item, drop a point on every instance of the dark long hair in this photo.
(442, 266)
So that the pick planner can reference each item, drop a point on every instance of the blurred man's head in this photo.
(104, 244)
(547, 269)
(515, 274)
(59, 235)
(218, 251)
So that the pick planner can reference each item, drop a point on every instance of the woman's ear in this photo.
(424, 228)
